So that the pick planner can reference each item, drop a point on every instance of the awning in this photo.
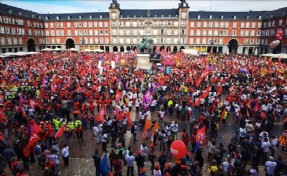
(281, 55)
(190, 51)
(46, 49)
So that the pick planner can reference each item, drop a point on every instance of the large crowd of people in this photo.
(50, 100)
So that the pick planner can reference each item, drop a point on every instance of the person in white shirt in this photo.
(130, 164)
(104, 142)
(65, 155)
(96, 134)
(270, 166)
(174, 129)
(265, 147)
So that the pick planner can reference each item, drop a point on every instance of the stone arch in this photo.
(115, 49)
(31, 45)
(233, 46)
(70, 43)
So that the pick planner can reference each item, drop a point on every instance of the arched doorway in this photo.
(182, 47)
(70, 43)
(233, 45)
(168, 49)
(161, 48)
(122, 49)
(115, 49)
(31, 45)
(175, 49)
(134, 48)
(128, 48)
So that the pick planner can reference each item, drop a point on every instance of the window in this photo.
(106, 24)
(198, 24)
(168, 40)
(85, 24)
(183, 23)
(51, 25)
(204, 32)
(226, 24)
(114, 15)
(175, 41)
(198, 32)
(210, 32)
(221, 32)
(96, 40)
(169, 23)
(247, 17)
(101, 32)
(216, 24)
(198, 17)
(80, 32)
(182, 32)
(175, 32)
(273, 23)
(85, 32)
(221, 24)
(253, 25)
(121, 40)
(183, 14)
(100, 24)
(234, 33)
(246, 33)
(176, 23)
(107, 32)
(53, 40)
(134, 40)
(80, 17)
(69, 32)
(210, 24)
(215, 32)
(257, 41)
(258, 33)
(191, 40)
(204, 40)
(242, 25)
(247, 25)
(210, 17)
(101, 17)
(128, 24)
(58, 40)
(246, 41)
(234, 25)
(221, 17)
(134, 24)
(259, 25)
(95, 24)
(252, 33)
(62, 33)
(90, 24)
(191, 24)
(68, 25)
(280, 22)
(141, 32)
(47, 33)
(259, 17)
(57, 17)
(191, 32)
(91, 40)
(135, 32)
(204, 24)
(75, 24)
(57, 25)
(128, 40)
(198, 40)
(69, 17)
(220, 40)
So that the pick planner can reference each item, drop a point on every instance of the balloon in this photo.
(274, 44)
(178, 149)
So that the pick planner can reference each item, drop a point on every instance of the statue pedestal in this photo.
(143, 61)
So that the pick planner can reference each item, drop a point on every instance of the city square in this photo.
(148, 91)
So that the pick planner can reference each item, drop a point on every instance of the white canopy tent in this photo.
(281, 55)
(46, 49)
(9, 54)
(190, 51)
(56, 49)
(21, 53)
(99, 50)
(72, 49)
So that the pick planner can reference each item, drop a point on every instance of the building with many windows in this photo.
(119, 30)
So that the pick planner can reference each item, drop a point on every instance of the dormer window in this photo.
(162, 15)
(40, 17)
(10, 11)
(47, 18)
(259, 17)
(33, 16)
(221, 17)
(169, 15)
(57, 17)
(20, 13)
(69, 17)
(135, 16)
(121, 16)
(91, 17)
(101, 16)
(128, 16)
(247, 17)
(80, 17)
(155, 16)
(234, 17)
(198, 17)
(210, 17)
(176, 15)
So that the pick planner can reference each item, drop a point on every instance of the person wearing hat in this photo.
(140, 161)
(156, 171)
(143, 172)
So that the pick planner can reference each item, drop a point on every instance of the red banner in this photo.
(119, 95)
(200, 135)
(34, 138)
(129, 119)
(101, 115)
(60, 132)
(36, 128)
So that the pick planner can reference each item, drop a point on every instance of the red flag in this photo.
(206, 92)
(120, 116)
(119, 95)
(223, 113)
(200, 135)
(220, 90)
(33, 104)
(34, 138)
(60, 132)
(155, 127)
(147, 124)
(198, 82)
(129, 119)
(197, 103)
(36, 128)
(101, 115)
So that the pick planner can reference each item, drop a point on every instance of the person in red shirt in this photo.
(118, 166)
(79, 133)
(49, 168)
